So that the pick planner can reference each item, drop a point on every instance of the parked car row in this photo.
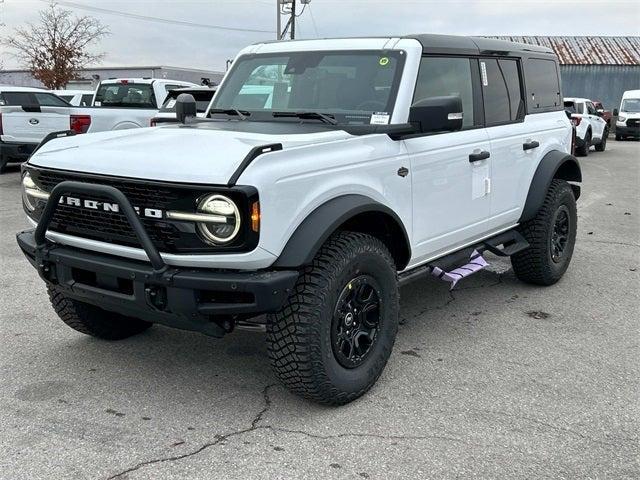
(28, 115)
(593, 123)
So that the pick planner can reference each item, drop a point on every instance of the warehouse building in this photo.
(89, 78)
(599, 68)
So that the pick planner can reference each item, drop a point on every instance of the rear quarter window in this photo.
(543, 85)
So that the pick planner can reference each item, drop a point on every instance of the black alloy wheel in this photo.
(356, 321)
(560, 233)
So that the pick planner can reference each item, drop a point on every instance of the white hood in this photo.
(171, 153)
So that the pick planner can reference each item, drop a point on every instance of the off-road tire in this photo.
(535, 264)
(299, 335)
(92, 320)
(600, 147)
(583, 150)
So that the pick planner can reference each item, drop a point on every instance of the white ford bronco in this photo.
(326, 174)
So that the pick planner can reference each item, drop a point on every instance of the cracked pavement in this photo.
(494, 379)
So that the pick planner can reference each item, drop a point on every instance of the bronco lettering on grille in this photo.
(108, 207)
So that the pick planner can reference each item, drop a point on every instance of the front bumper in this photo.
(626, 131)
(185, 298)
(16, 151)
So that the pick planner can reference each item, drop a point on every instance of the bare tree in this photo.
(56, 47)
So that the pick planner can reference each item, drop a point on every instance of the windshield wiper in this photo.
(242, 114)
(308, 115)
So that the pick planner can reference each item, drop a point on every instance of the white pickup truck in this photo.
(28, 115)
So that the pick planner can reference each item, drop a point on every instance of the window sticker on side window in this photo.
(171, 103)
(380, 118)
(483, 72)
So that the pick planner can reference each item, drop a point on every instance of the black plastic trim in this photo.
(53, 135)
(311, 234)
(547, 170)
(254, 153)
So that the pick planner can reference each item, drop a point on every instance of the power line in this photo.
(156, 19)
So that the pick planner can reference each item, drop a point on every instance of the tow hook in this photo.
(156, 297)
(47, 272)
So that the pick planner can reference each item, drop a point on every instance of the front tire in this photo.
(551, 235)
(332, 339)
(92, 320)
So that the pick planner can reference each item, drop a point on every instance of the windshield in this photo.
(631, 105)
(126, 95)
(352, 87)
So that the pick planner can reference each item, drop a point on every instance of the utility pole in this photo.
(292, 30)
(287, 8)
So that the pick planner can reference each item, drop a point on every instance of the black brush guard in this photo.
(188, 298)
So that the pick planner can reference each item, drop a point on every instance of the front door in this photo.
(450, 171)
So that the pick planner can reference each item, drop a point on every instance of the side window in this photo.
(494, 92)
(442, 76)
(49, 100)
(86, 99)
(591, 110)
(543, 85)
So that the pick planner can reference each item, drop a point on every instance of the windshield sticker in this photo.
(380, 118)
(483, 72)
(384, 61)
(98, 104)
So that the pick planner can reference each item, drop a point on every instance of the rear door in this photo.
(33, 116)
(521, 128)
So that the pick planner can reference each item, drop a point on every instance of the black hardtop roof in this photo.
(459, 45)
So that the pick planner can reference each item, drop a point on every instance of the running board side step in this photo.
(458, 265)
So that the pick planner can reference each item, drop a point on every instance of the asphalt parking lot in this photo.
(496, 379)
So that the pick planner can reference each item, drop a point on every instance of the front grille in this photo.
(633, 122)
(112, 227)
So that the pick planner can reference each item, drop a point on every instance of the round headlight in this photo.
(221, 232)
(28, 186)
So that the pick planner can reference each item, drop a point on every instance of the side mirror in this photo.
(615, 112)
(437, 114)
(185, 107)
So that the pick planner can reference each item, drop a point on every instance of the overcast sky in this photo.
(144, 42)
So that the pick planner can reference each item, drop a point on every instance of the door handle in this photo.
(530, 145)
(476, 157)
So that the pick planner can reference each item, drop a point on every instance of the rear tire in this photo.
(551, 235)
(583, 151)
(332, 339)
(603, 143)
(92, 320)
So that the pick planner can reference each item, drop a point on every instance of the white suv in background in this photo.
(591, 128)
(358, 165)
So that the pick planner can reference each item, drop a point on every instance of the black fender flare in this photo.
(555, 164)
(311, 234)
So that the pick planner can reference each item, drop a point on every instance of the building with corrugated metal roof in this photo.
(599, 68)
